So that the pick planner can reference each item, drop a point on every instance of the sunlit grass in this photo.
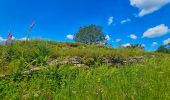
(148, 80)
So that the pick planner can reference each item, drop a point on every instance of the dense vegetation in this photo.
(164, 48)
(91, 34)
(142, 80)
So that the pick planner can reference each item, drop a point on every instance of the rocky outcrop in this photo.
(81, 62)
(86, 62)
(32, 70)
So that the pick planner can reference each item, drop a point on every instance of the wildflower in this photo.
(9, 40)
(30, 29)
(32, 25)
(9, 35)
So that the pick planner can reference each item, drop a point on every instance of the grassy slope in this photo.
(142, 81)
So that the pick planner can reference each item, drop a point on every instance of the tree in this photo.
(91, 34)
(164, 48)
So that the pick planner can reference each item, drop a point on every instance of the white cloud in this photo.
(23, 39)
(69, 36)
(13, 38)
(108, 37)
(118, 40)
(166, 41)
(148, 6)
(154, 44)
(110, 20)
(125, 21)
(133, 36)
(157, 31)
(126, 45)
(143, 45)
(2, 39)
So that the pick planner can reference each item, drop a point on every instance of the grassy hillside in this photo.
(50, 70)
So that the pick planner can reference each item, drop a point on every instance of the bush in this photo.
(89, 61)
(164, 49)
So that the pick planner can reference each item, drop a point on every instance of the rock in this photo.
(81, 66)
(75, 60)
(32, 70)
(35, 69)
(106, 60)
(53, 62)
(138, 58)
(65, 61)
(125, 62)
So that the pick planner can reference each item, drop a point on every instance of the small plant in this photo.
(89, 61)
(43, 50)
(8, 53)
(41, 55)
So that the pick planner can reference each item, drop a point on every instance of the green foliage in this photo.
(43, 50)
(164, 49)
(41, 55)
(136, 46)
(8, 53)
(89, 61)
(147, 80)
(91, 34)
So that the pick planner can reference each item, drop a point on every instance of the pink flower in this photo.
(9, 35)
(32, 25)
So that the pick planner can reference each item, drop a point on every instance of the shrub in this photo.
(89, 61)
(43, 50)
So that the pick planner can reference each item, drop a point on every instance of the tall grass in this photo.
(148, 80)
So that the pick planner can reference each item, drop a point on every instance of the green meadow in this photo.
(42, 70)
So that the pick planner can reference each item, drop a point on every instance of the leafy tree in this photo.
(164, 48)
(91, 34)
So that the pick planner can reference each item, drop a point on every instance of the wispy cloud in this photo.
(148, 6)
(69, 36)
(108, 37)
(125, 21)
(157, 31)
(133, 36)
(166, 41)
(154, 44)
(110, 20)
(126, 45)
(13, 38)
(2, 39)
(23, 39)
(118, 40)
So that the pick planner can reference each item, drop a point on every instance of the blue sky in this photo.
(133, 21)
